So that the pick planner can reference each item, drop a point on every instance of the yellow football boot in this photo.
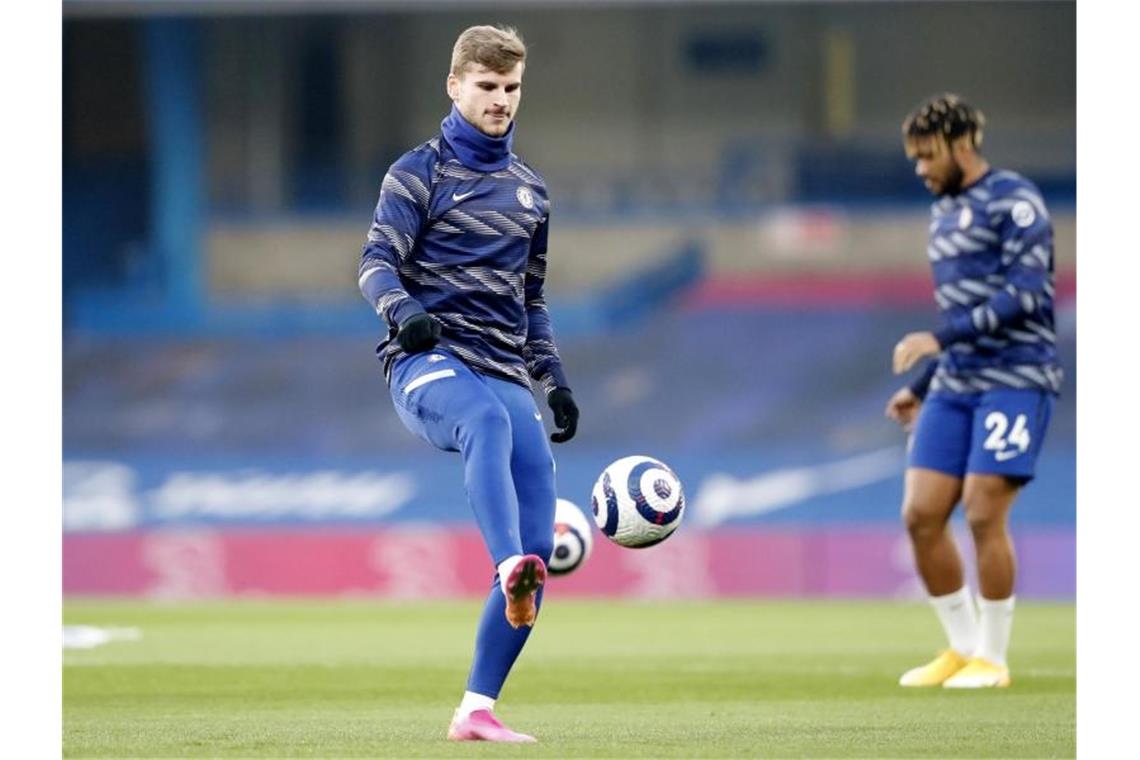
(934, 673)
(979, 674)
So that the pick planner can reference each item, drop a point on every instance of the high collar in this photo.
(475, 149)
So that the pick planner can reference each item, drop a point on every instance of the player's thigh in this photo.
(532, 464)
(530, 451)
(929, 496)
(435, 393)
(1008, 430)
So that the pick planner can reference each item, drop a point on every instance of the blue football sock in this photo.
(497, 645)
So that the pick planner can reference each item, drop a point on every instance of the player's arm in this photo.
(921, 383)
(904, 405)
(539, 351)
(396, 223)
(1027, 243)
(912, 347)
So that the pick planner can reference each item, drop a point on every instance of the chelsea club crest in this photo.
(525, 197)
(965, 218)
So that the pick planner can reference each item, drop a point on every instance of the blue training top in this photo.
(460, 232)
(991, 249)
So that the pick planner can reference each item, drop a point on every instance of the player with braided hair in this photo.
(976, 436)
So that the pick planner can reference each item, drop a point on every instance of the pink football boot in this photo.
(522, 584)
(482, 725)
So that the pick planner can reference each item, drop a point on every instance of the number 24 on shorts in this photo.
(997, 441)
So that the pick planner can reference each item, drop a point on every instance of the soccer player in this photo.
(976, 435)
(455, 263)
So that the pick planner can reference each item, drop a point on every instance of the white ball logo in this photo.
(524, 196)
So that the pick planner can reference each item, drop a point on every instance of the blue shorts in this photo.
(997, 432)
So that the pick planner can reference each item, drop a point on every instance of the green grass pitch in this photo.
(598, 679)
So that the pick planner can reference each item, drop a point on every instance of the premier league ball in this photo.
(573, 538)
(638, 501)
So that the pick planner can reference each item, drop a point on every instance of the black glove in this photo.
(418, 333)
(561, 402)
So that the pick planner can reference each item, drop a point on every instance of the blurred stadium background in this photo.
(737, 242)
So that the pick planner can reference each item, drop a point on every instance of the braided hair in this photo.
(945, 115)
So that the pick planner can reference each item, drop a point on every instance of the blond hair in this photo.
(497, 48)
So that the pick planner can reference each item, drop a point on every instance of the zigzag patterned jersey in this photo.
(469, 248)
(991, 249)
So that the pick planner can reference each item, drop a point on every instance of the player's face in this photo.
(935, 165)
(487, 99)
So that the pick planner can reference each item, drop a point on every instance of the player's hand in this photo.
(912, 347)
(418, 333)
(561, 402)
(903, 408)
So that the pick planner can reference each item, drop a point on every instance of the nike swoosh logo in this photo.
(458, 197)
(1002, 456)
(538, 416)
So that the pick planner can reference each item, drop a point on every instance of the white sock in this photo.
(505, 567)
(996, 624)
(473, 701)
(956, 613)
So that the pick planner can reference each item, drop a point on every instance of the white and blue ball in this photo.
(638, 501)
(573, 538)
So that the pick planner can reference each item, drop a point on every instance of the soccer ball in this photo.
(573, 538)
(638, 501)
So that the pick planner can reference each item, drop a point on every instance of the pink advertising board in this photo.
(437, 562)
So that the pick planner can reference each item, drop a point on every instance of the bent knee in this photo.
(928, 500)
(987, 500)
(985, 516)
(486, 419)
(983, 490)
(924, 518)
